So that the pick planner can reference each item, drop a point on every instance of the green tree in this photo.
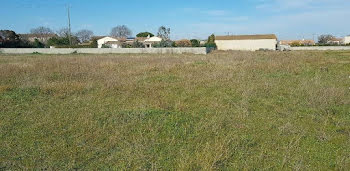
(195, 43)
(11, 40)
(145, 34)
(211, 42)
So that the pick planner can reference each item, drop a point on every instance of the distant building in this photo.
(298, 42)
(151, 40)
(346, 40)
(335, 41)
(108, 41)
(41, 37)
(246, 42)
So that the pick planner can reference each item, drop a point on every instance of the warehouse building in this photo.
(246, 42)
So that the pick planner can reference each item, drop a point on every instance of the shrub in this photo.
(295, 43)
(138, 44)
(38, 44)
(195, 43)
(164, 43)
(73, 46)
(125, 45)
(58, 41)
(211, 45)
(106, 46)
(183, 43)
(94, 43)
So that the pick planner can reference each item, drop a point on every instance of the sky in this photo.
(288, 19)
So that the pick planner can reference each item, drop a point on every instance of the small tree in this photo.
(195, 43)
(84, 35)
(211, 42)
(41, 30)
(121, 31)
(145, 34)
(164, 33)
(324, 39)
(94, 43)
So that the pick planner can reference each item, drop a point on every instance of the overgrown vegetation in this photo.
(221, 111)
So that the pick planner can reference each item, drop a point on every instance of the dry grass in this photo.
(225, 110)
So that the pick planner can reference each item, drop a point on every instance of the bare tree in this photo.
(63, 32)
(41, 30)
(121, 32)
(84, 35)
(164, 33)
(324, 39)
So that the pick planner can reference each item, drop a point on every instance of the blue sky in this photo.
(288, 19)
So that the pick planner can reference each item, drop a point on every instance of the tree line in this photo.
(85, 38)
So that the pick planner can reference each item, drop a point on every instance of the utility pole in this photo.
(69, 28)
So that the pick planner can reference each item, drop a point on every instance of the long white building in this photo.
(246, 42)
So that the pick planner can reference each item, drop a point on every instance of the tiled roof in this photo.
(246, 37)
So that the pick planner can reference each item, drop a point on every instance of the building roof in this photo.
(337, 39)
(108, 39)
(112, 42)
(141, 39)
(246, 37)
(153, 39)
(97, 37)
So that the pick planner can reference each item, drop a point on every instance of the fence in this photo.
(321, 48)
(201, 50)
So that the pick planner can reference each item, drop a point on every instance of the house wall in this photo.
(347, 40)
(248, 45)
(104, 40)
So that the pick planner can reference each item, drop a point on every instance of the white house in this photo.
(151, 40)
(346, 40)
(246, 42)
(108, 41)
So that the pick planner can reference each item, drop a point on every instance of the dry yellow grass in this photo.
(224, 110)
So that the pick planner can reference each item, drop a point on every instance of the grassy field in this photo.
(221, 111)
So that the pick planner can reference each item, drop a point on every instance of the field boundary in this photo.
(321, 48)
(199, 50)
